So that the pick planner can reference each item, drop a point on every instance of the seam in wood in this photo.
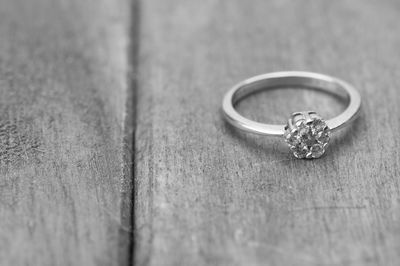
(127, 207)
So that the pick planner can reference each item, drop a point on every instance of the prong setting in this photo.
(307, 135)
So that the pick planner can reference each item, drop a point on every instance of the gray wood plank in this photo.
(64, 121)
(208, 195)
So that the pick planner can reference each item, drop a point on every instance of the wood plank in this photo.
(208, 195)
(64, 166)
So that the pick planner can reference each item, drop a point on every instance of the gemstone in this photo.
(307, 135)
(300, 151)
(323, 137)
(317, 150)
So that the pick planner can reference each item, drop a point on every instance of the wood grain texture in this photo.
(64, 168)
(208, 195)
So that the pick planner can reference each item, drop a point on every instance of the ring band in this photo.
(303, 129)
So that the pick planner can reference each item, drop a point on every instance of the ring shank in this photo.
(290, 79)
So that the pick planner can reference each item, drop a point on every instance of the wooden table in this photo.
(113, 150)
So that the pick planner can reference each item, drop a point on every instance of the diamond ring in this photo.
(306, 133)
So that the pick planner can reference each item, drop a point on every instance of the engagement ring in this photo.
(306, 133)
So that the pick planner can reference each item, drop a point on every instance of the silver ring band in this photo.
(289, 79)
(306, 133)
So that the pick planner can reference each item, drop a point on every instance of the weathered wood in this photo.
(63, 117)
(208, 195)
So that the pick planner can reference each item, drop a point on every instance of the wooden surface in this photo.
(72, 109)
(64, 168)
(208, 195)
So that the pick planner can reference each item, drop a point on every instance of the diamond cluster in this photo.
(307, 135)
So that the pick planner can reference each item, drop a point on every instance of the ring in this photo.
(306, 133)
